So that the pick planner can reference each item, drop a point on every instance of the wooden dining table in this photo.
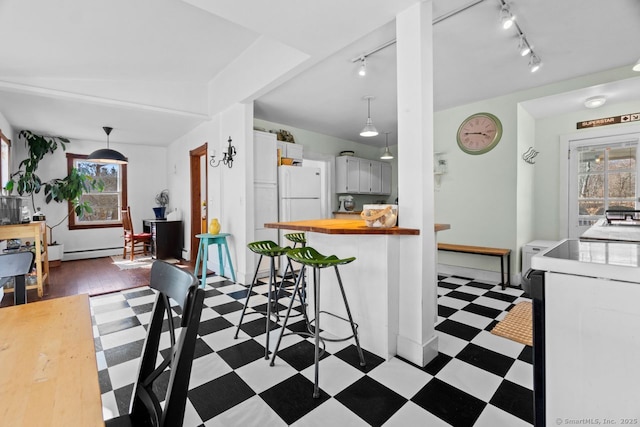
(48, 370)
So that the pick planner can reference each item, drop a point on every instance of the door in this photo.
(198, 174)
(602, 175)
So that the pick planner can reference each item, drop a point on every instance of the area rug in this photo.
(139, 261)
(517, 325)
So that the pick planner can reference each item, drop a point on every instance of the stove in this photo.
(616, 226)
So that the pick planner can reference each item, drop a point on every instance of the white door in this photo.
(603, 174)
(299, 182)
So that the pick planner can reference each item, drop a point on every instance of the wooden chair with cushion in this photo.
(133, 241)
(182, 287)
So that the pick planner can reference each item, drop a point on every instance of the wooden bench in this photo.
(481, 250)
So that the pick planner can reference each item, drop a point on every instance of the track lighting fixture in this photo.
(106, 155)
(534, 62)
(387, 154)
(362, 71)
(369, 129)
(523, 46)
(506, 17)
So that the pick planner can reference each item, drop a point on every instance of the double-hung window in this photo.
(106, 204)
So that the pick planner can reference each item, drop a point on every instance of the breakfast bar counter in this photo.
(346, 226)
(372, 281)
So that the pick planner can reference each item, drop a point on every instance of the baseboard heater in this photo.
(91, 253)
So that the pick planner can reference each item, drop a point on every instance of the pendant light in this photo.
(106, 155)
(387, 154)
(369, 129)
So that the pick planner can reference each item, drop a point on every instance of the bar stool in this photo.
(271, 250)
(309, 257)
(207, 239)
(298, 238)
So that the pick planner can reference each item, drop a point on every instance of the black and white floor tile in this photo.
(478, 379)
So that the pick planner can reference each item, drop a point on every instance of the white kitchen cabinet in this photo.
(375, 172)
(385, 178)
(265, 164)
(347, 174)
(291, 150)
(362, 176)
(265, 191)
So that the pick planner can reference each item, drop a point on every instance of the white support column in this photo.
(417, 341)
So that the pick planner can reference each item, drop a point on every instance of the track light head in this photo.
(362, 71)
(506, 17)
(534, 62)
(523, 46)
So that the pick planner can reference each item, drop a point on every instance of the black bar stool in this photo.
(309, 257)
(272, 250)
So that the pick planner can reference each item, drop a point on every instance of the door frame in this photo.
(197, 193)
(564, 179)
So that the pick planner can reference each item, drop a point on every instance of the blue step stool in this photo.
(207, 239)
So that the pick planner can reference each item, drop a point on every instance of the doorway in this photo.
(198, 174)
(602, 175)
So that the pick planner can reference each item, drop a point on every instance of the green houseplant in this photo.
(68, 189)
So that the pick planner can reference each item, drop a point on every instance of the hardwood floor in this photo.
(89, 276)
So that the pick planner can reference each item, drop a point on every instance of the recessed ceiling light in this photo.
(595, 101)
(637, 66)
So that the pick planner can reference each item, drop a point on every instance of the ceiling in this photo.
(155, 69)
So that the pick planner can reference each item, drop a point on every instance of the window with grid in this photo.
(106, 204)
(603, 178)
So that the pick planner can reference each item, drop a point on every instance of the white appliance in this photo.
(299, 193)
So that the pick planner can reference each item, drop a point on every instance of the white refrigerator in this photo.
(298, 193)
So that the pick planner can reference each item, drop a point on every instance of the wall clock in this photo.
(479, 133)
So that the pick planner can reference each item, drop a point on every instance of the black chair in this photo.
(183, 287)
(16, 265)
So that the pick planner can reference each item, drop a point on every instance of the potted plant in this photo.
(162, 200)
(68, 189)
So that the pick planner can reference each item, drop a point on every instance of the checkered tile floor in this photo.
(478, 379)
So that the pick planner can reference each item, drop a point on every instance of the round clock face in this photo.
(479, 133)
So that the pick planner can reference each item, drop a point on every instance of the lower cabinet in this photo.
(166, 238)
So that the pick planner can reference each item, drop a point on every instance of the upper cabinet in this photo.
(362, 176)
(265, 160)
(291, 150)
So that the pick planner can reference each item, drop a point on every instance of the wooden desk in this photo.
(35, 232)
(48, 370)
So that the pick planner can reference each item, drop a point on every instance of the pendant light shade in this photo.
(369, 129)
(387, 154)
(106, 155)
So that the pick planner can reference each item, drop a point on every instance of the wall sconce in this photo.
(227, 159)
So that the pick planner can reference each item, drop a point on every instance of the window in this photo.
(107, 204)
(603, 177)
(5, 146)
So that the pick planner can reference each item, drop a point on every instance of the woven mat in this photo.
(517, 325)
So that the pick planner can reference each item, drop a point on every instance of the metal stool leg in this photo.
(353, 327)
(246, 301)
(316, 355)
(286, 319)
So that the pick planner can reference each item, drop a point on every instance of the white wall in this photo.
(483, 196)
(549, 211)
(147, 176)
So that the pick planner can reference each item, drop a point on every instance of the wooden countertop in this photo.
(348, 212)
(346, 226)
